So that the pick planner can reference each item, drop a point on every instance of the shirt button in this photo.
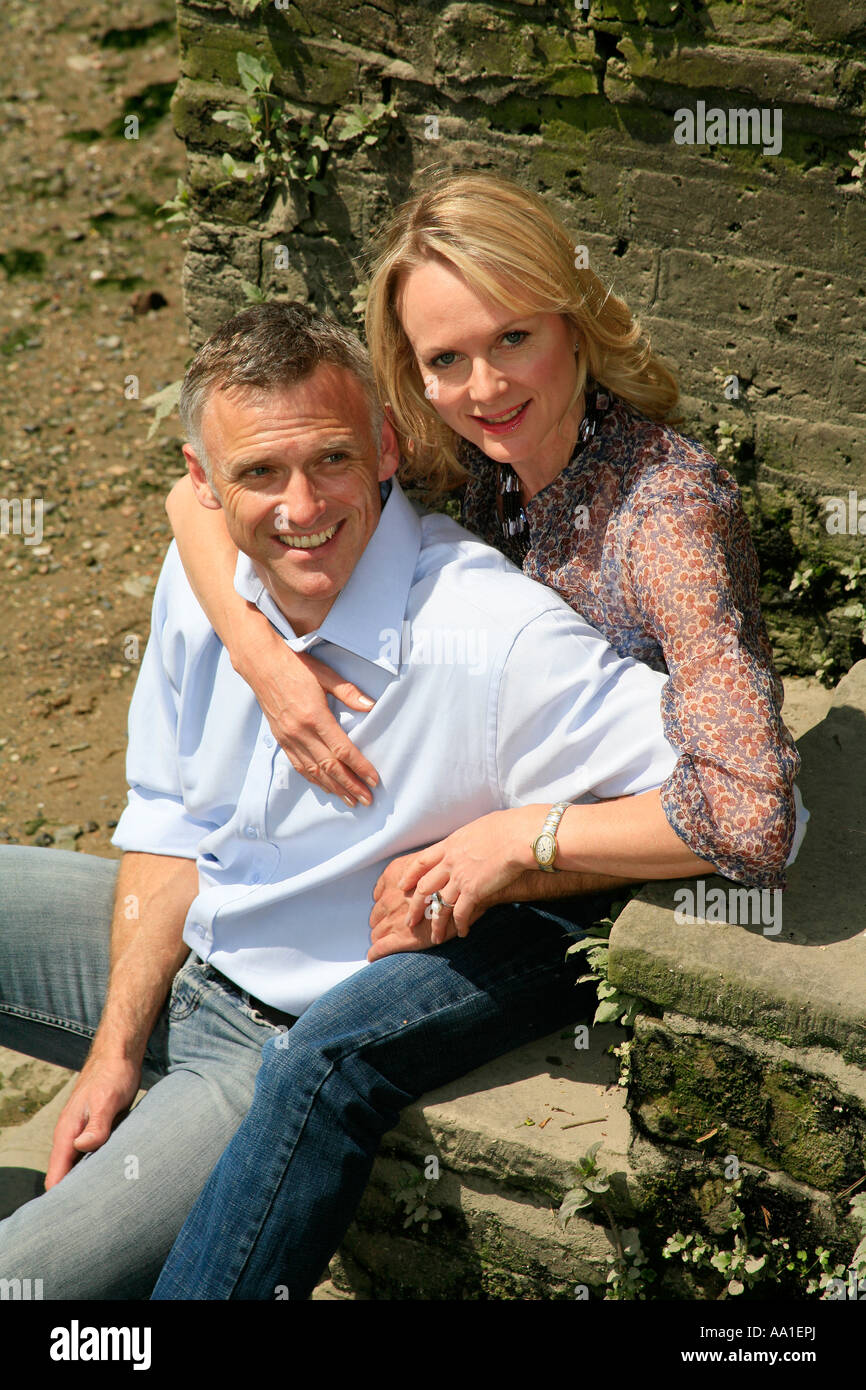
(268, 741)
(251, 832)
(255, 878)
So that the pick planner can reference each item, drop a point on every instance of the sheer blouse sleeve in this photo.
(693, 573)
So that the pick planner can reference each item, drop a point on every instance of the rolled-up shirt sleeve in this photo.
(574, 720)
(694, 576)
(156, 820)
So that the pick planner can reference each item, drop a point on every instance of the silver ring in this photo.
(439, 902)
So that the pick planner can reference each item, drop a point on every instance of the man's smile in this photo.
(313, 540)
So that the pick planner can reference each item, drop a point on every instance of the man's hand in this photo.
(105, 1090)
(471, 869)
(394, 927)
(480, 860)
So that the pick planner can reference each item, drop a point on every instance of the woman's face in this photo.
(500, 379)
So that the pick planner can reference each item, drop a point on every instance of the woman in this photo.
(507, 367)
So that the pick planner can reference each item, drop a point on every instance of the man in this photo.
(246, 891)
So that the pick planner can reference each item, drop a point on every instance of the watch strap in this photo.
(550, 827)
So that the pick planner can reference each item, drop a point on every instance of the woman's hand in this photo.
(291, 689)
(469, 870)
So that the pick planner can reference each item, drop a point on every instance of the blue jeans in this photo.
(104, 1231)
(281, 1197)
(323, 1094)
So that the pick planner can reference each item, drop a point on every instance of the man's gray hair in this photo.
(264, 348)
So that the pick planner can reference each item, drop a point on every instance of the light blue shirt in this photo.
(490, 693)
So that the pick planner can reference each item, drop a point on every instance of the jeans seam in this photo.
(51, 1020)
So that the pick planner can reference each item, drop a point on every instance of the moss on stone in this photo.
(691, 1090)
(478, 44)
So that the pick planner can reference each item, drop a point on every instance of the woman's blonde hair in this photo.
(507, 245)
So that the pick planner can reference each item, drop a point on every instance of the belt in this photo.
(275, 1016)
(267, 1011)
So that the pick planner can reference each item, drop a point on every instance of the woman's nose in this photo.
(485, 383)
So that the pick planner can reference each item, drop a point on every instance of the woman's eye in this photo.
(445, 359)
(514, 336)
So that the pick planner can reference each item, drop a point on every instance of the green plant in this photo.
(163, 403)
(286, 145)
(628, 1270)
(859, 158)
(253, 293)
(822, 583)
(623, 1055)
(414, 1196)
(831, 1278)
(359, 300)
(368, 125)
(755, 1260)
(282, 144)
(730, 441)
(178, 206)
(745, 1262)
(614, 1006)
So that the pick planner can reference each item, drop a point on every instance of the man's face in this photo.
(296, 472)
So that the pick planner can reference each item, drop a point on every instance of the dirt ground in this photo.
(82, 254)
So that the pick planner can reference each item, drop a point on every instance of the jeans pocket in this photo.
(186, 991)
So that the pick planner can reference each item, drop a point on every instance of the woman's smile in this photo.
(506, 422)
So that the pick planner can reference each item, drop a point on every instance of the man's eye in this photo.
(445, 359)
(514, 337)
(334, 458)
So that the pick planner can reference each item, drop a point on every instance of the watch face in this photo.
(545, 848)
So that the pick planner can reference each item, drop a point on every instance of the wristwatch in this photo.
(544, 845)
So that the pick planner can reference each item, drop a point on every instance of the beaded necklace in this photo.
(514, 523)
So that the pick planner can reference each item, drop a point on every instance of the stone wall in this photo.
(750, 1057)
(742, 263)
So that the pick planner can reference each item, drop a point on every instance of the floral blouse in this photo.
(645, 536)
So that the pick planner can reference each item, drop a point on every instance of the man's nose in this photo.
(486, 383)
(301, 506)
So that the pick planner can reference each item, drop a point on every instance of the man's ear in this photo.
(389, 451)
(201, 487)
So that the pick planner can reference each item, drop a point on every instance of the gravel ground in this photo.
(84, 259)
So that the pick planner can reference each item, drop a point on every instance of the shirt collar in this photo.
(375, 597)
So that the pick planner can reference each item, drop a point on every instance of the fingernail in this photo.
(348, 800)
(367, 800)
(371, 782)
(367, 704)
